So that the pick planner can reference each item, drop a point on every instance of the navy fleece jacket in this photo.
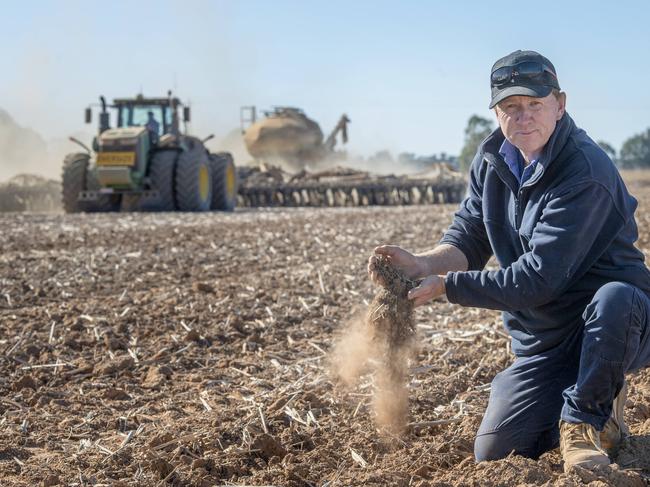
(567, 231)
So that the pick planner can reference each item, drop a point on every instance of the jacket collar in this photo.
(490, 149)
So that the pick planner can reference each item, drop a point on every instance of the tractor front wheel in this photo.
(75, 167)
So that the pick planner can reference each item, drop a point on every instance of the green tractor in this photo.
(145, 163)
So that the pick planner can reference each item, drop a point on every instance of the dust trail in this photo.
(382, 342)
(22, 150)
(352, 352)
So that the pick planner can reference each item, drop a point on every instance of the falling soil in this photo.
(385, 338)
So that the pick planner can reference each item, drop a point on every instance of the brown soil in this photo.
(179, 349)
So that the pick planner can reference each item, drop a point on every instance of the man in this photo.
(153, 127)
(549, 204)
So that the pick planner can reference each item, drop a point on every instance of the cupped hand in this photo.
(430, 288)
(401, 259)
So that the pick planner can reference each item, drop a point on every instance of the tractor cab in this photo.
(139, 111)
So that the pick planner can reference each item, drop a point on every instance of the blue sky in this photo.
(408, 74)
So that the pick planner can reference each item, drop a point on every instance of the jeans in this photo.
(576, 381)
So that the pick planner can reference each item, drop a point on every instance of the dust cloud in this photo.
(381, 163)
(352, 352)
(232, 142)
(381, 343)
(22, 150)
(25, 151)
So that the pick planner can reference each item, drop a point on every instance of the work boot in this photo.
(580, 445)
(615, 429)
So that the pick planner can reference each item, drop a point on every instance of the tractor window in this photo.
(168, 119)
(141, 117)
(130, 116)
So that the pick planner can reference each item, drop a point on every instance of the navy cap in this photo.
(526, 73)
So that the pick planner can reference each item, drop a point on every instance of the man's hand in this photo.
(402, 260)
(430, 288)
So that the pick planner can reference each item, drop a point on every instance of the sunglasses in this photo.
(531, 70)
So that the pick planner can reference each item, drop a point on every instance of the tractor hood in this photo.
(121, 136)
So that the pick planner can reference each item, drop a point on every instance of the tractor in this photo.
(145, 163)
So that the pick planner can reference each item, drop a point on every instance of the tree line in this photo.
(634, 153)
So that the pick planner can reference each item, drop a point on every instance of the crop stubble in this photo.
(194, 349)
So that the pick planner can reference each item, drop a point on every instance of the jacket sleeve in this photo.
(574, 230)
(467, 231)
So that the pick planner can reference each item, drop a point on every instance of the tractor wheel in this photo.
(75, 168)
(161, 176)
(224, 182)
(104, 202)
(193, 181)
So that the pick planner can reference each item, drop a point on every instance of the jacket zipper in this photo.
(518, 212)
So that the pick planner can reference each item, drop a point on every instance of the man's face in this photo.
(528, 122)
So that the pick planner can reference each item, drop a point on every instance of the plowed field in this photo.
(194, 349)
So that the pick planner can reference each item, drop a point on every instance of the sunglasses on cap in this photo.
(530, 70)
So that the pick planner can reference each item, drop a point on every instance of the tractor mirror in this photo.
(89, 115)
(186, 114)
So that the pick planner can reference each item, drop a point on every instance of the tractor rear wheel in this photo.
(161, 177)
(75, 168)
(224, 182)
(193, 181)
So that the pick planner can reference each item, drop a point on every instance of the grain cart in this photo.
(287, 137)
(145, 163)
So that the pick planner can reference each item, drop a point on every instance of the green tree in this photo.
(609, 150)
(635, 152)
(477, 129)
